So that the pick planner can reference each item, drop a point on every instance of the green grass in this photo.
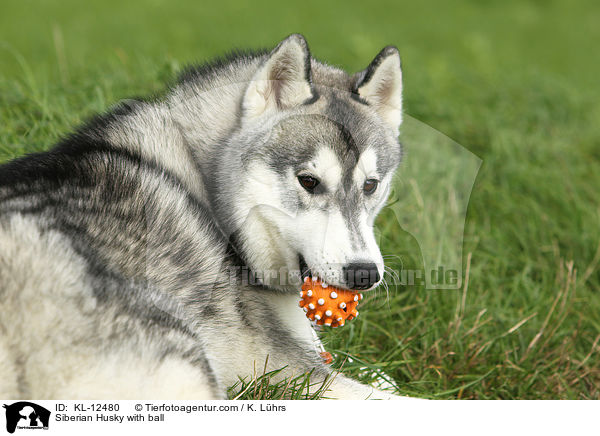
(514, 82)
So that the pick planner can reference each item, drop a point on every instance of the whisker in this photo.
(387, 292)
(393, 273)
(392, 256)
(385, 284)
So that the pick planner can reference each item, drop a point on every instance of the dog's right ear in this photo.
(282, 81)
(380, 85)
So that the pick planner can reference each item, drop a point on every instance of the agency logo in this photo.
(26, 415)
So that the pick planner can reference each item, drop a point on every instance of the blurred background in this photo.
(514, 82)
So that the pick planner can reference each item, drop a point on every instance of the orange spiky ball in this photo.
(328, 305)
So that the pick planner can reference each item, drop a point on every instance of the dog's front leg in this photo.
(307, 349)
(344, 388)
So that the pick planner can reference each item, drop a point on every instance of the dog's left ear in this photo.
(282, 81)
(380, 85)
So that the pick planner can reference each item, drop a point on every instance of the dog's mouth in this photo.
(304, 269)
(305, 272)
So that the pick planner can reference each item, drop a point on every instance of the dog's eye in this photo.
(308, 182)
(370, 186)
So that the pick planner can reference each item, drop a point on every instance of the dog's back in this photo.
(88, 234)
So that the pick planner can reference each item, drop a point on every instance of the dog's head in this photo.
(310, 167)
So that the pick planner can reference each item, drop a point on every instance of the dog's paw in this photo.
(386, 395)
(344, 388)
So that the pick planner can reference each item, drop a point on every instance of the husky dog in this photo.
(158, 251)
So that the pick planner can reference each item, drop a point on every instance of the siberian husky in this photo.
(158, 251)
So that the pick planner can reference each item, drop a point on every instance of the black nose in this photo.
(361, 275)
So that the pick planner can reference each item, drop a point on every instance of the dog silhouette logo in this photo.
(26, 415)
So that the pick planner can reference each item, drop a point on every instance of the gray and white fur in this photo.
(137, 256)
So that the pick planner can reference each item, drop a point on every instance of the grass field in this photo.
(514, 82)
